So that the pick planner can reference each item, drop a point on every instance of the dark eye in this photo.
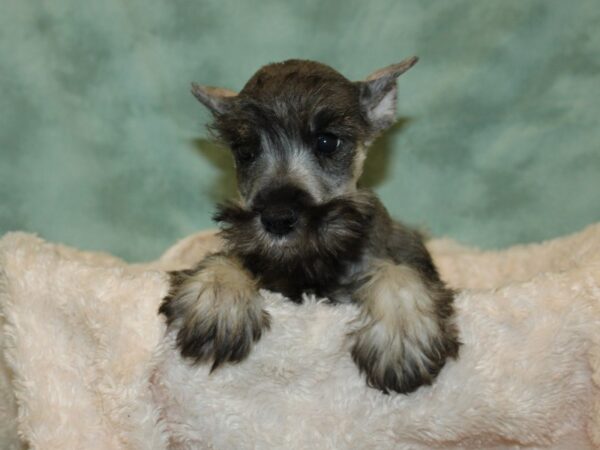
(327, 143)
(245, 155)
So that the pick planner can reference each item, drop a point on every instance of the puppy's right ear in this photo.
(216, 99)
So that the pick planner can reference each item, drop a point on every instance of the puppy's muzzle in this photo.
(281, 208)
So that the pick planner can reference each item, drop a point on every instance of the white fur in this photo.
(82, 344)
(386, 108)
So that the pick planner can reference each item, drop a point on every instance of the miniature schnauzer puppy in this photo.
(299, 133)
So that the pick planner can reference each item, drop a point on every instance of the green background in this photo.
(102, 146)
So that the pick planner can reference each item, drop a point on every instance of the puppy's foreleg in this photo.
(408, 331)
(217, 309)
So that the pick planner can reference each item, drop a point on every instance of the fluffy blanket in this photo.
(85, 362)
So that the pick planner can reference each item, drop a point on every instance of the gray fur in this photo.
(299, 132)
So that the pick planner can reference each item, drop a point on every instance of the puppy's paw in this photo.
(217, 309)
(408, 332)
(396, 361)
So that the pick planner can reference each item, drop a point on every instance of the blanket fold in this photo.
(85, 361)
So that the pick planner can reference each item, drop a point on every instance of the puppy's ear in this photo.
(216, 99)
(378, 94)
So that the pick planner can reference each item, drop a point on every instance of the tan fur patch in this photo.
(396, 296)
(400, 345)
(222, 283)
(218, 310)
(357, 170)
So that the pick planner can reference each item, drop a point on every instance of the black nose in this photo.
(279, 220)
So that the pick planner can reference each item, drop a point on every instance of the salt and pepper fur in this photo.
(344, 246)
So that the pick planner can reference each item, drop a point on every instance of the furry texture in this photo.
(332, 239)
(83, 352)
(402, 323)
(224, 309)
(298, 131)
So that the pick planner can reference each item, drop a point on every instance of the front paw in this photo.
(408, 331)
(218, 311)
(396, 361)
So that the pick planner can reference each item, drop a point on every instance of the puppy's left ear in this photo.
(378, 94)
(216, 99)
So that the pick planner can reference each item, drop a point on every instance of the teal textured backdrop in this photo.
(102, 146)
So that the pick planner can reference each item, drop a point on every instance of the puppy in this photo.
(299, 132)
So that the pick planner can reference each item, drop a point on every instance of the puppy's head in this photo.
(299, 131)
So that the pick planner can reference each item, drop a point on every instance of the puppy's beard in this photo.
(327, 236)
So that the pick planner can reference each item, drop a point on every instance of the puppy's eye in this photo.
(327, 143)
(245, 155)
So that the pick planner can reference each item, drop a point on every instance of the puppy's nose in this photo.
(279, 220)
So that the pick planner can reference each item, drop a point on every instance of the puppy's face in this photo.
(295, 124)
(299, 132)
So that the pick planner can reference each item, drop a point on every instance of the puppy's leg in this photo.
(408, 331)
(218, 310)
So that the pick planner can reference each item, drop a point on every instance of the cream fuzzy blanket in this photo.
(84, 362)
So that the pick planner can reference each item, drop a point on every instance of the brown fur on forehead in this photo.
(294, 73)
(298, 96)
